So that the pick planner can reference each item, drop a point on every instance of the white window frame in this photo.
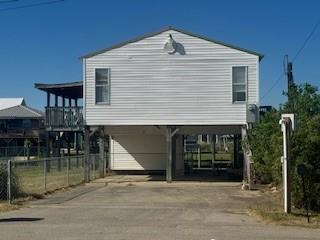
(246, 84)
(109, 86)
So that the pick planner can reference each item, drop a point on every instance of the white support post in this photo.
(287, 125)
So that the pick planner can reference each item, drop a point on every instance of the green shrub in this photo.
(265, 141)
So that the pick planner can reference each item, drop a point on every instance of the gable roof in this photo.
(10, 102)
(20, 111)
(167, 29)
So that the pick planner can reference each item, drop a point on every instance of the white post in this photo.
(287, 124)
(286, 190)
(286, 203)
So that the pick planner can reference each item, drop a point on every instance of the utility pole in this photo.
(287, 123)
(288, 71)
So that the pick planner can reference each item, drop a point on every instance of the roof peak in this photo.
(167, 28)
(11, 102)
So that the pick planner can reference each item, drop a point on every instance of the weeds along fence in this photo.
(24, 178)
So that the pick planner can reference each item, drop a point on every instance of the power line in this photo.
(31, 5)
(294, 58)
(307, 40)
(8, 1)
(273, 86)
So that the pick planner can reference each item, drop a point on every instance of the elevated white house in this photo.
(149, 92)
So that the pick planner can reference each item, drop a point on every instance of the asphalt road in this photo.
(145, 210)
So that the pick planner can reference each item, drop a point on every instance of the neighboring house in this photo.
(150, 92)
(264, 109)
(18, 123)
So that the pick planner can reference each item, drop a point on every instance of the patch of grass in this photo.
(277, 216)
(5, 207)
(31, 179)
(270, 210)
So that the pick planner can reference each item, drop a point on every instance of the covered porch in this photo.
(63, 109)
(63, 117)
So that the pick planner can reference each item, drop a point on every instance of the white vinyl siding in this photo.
(239, 84)
(152, 87)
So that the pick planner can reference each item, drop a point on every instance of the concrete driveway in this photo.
(126, 208)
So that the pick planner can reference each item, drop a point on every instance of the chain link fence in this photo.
(3, 179)
(22, 178)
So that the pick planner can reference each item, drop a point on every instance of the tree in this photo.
(265, 141)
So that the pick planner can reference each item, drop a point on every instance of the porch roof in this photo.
(72, 90)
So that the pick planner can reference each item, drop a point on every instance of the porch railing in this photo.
(64, 118)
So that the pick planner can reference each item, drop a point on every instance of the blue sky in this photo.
(42, 44)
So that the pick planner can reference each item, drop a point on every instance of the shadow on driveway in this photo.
(20, 219)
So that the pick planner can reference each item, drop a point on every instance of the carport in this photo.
(161, 149)
(176, 149)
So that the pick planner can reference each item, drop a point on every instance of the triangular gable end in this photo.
(164, 30)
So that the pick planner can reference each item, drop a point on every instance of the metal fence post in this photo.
(45, 175)
(9, 182)
(83, 157)
(68, 168)
(105, 164)
(84, 168)
(101, 158)
(87, 153)
(94, 167)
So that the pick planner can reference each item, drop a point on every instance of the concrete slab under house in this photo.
(172, 102)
